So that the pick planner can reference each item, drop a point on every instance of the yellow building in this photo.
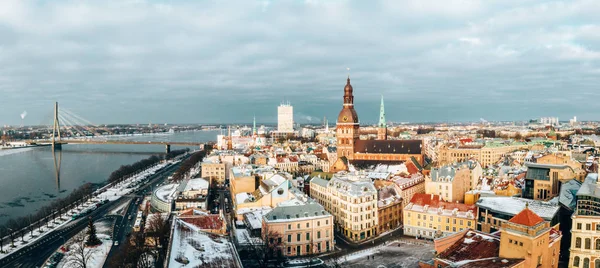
(304, 228)
(216, 172)
(527, 236)
(486, 154)
(352, 199)
(564, 158)
(268, 194)
(452, 181)
(585, 231)
(542, 181)
(428, 216)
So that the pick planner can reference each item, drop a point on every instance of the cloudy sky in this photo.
(223, 61)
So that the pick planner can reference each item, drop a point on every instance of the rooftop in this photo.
(590, 187)
(526, 217)
(514, 205)
(300, 211)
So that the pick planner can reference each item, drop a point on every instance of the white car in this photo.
(116, 243)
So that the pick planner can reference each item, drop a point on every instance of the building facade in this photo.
(352, 199)
(585, 231)
(304, 228)
(285, 118)
(428, 216)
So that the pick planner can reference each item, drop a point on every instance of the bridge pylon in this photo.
(56, 129)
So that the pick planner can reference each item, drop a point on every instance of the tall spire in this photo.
(254, 125)
(229, 141)
(382, 122)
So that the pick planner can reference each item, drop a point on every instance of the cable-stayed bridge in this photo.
(82, 131)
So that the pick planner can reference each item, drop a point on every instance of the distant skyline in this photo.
(142, 61)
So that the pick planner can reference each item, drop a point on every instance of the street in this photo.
(35, 255)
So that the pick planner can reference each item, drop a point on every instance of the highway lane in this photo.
(35, 255)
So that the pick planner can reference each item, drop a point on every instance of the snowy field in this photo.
(98, 253)
(395, 254)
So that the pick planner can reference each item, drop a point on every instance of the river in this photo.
(33, 177)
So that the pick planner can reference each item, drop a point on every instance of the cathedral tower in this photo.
(382, 126)
(347, 128)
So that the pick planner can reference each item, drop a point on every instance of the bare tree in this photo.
(79, 256)
(270, 249)
(159, 230)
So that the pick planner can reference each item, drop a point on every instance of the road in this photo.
(35, 255)
(124, 225)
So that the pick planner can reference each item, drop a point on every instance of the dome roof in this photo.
(347, 115)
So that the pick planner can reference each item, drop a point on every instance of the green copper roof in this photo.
(382, 115)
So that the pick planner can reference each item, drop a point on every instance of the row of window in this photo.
(299, 236)
(298, 249)
(515, 242)
(588, 243)
(308, 224)
(588, 226)
(586, 262)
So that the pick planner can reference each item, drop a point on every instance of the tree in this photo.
(270, 249)
(79, 256)
(159, 228)
(92, 239)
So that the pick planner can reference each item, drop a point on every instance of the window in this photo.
(307, 248)
(307, 225)
(588, 243)
(318, 234)
(318, 223)
(419, 216)
(579, 226)
(454, 221)
(578, 242)
(326, 222)
(588, 227)
(576, 261)
(289, 250)
(289, 227)
(289, 238)
(510, 241)
(598, 244)
(469, 223)
(307, 236)
(586, 263)
(298, 226)
(521, 244)
(298, 237)
(326, 233)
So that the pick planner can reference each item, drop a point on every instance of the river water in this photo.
(31, 178)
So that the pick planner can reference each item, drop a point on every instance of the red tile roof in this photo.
(412, 169)
(526, 217)
(209, 222)
(435, 201)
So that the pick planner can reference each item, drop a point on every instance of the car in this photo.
(116, 243)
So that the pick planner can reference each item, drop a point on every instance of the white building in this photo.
(285, 118)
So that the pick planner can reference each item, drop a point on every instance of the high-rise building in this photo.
(285, 118)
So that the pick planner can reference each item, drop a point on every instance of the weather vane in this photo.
(348, 68)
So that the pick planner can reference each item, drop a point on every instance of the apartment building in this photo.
(585, 232)
(304, 228)
(352, 199)
(428, 216)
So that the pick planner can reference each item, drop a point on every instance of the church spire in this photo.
(382, 122)
(254, 125)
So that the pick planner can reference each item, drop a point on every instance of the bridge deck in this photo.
(173, 143)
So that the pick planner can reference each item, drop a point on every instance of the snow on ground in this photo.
(99, 253)
(394, 254)
(191, 247)
(14, 151)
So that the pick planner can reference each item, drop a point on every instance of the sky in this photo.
(174, 61)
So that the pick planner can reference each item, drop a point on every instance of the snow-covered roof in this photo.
(352, 184)
(568, 193)
(590, 187)
(254, 218)
(242, 198)
(166, 193)
(191, 247)
(513, 205)
(301, 211)
(196, 184)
